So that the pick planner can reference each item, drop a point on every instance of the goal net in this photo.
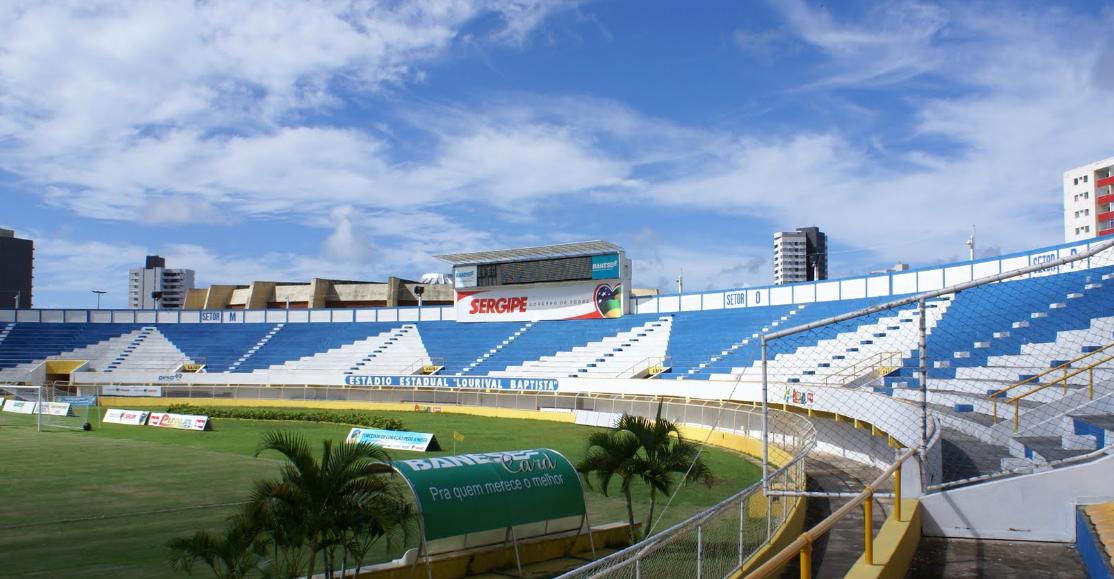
(63, 407)
(46, 408)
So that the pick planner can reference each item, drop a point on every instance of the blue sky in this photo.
(356, 140)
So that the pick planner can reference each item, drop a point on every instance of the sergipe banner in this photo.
(566, 301)
(469, 493)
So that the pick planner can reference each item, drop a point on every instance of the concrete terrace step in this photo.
(966, 456)
(1103, 421)
(1049, 447)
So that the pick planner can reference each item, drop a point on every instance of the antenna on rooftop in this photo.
(681, 282)
(971, 243)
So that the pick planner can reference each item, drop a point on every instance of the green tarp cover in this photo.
(469, 493)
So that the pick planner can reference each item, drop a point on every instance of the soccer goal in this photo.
(46, 408)
(62, 407)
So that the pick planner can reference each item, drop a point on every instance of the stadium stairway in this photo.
(463, 347)
(218, 346)
(547, 338)
(1005, 333)
(831, 357)
(627, 354)
(393, 351)
(33, 343)
(258, 346)
(100, 354)
(149, 351)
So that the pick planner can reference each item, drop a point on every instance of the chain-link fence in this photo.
(989, 368)
(714, 542)
(722, 539)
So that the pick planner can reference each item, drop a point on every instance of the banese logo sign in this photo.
(469, 493)
(605, 266)
(464, 276)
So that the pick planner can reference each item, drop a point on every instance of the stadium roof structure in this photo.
(578, 248)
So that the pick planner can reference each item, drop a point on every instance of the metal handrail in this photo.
(854, 370)
(802, 545)
(1064, 367)
(648, 363)
(1016, 400)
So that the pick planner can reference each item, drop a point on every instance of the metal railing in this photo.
(1066, 372)
(714, 542)
(648, 367)
(875, 366)
(802, 546)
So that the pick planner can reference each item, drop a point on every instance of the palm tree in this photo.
(336, 504)
(640, 448)
(611, 454)
(231, 554)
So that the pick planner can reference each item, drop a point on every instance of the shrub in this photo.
(353, 417)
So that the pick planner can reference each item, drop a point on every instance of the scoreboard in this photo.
(536, 271)
(551, 283)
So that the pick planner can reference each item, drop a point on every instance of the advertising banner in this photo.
(19, 406)
(463, 382)
(179, 421)
(593, 418)
(127, 417)
(583, 300)
(464, 276)
(469, 493)
(56, 408)
(605, 266)
(153, 391)
(79, 400)
(395, 439)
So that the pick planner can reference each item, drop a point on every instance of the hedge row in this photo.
(353, 417)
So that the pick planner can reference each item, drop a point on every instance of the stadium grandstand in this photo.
(970, 400)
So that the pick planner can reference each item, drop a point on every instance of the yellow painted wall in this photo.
(343, 404)
(894, 546)
(487, 560)
(63, 366)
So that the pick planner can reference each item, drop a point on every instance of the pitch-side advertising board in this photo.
(19, 406)
(469, 493)
(395, 439)
(127, 417)
(152, 391)
(566, 301)
(56, 408)
(179, 421)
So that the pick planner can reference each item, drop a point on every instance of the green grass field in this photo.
(104, 503)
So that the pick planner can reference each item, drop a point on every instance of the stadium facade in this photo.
(320, 293)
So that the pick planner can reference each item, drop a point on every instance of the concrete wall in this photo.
(881, 285)
(1035, 507)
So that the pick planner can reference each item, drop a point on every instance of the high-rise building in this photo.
(1089, 200)
(17, 257)
(800, 255)
(156, 287)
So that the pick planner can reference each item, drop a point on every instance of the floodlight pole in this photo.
(99, 294)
